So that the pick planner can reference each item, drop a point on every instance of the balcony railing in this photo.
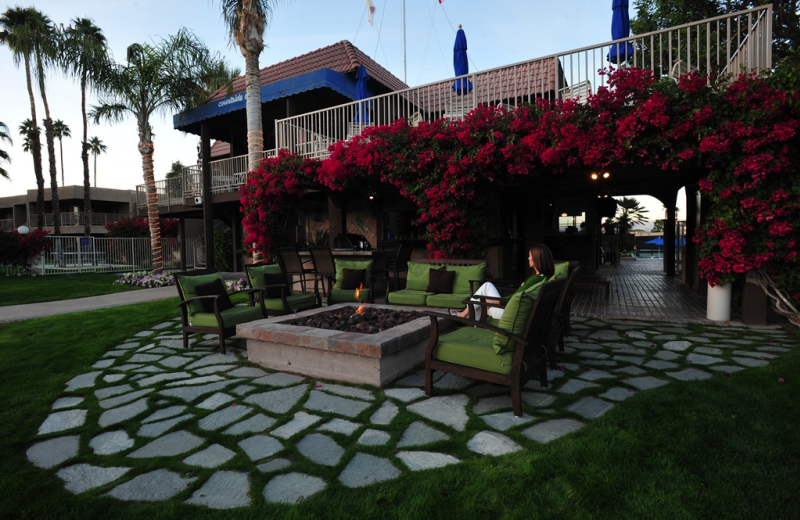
(7, 224)
(78, 219)
(226, 176)
(725, 45)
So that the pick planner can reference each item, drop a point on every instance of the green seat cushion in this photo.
(295, 301)
(355, 265)
(562, 271)
(418, 276)
(230, 317)
(515, 317)
(345, 295)
(533, 291)
(188, 285)
(408, 297)
(472, 347)
(492, 321)
(449, 301)
(255, 275)
(465, 273)
(530, 282)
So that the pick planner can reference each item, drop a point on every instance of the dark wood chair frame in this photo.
(223, 333)
(530, 355)
(397, 265)
(292, 265)
(285, 291)
(324, 268)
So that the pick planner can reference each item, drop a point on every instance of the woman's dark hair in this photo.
(543, 260)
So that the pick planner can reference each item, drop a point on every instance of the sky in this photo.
(498, 33)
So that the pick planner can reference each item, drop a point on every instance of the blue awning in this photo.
(341, 83)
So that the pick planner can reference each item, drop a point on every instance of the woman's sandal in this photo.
(453, 312)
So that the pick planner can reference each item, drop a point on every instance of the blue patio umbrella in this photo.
(620, 28)
(460, 63)
(660, 241)
(362, 116)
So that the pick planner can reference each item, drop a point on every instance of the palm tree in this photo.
(97, 147)
(17, 25)
(61, 130)
(160, 77)
(246, 21)
(4, 157)
(84, 55)
(629, 213)
(26, 130)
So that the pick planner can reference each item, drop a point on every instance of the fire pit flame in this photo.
(360, 309)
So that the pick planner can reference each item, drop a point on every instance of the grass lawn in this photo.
(727, 447)
(16, 290)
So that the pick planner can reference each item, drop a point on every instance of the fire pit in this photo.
(289, 344)
(365, 320)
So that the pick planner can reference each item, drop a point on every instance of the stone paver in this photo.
(617, 393)
(405, 394)
(292, 488)
(506, 420)
(175, 443)
(278, 401)
(449, 410)
(260, 447)
(83, 477)
(750, 362)
(164, 413)
(701, 359)
(247, 372)
(574, 386)
(158, 428)
(492, 443)
(212, 457)
(420, 434)
(273, 465)
(323, 402)
(215, 401)
(594, 375)
(279, 379)
(61, 421)
(122, 399)
(385, 414)
(452, 382)
(690, 374)
(255, 424)
(365, 469)
(123, 413)
(590, 407)
(374, 438)
(421, 460)
(537, 400)
(490, 404)
(658, 364)
(224, 417)
(66, 402)
(111, 442)
(53, 452)
(320, 449)
(677, 346)
(346, 391)
(82, 381)
(301, 421)
(224, 490)
(154, 486)
(646, 382)
(551, 430)
(342, 426)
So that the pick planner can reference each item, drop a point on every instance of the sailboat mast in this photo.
(405, 65)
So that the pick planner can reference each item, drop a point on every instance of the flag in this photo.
(370, 12)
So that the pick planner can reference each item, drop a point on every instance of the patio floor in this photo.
(640, 289)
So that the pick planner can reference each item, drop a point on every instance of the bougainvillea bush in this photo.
(138, 227)
(17, 249)
(741, 136)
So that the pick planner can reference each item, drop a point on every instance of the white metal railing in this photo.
(78, 219)
(728, 44)
(103, 255)
(226, 176)
(7, 224)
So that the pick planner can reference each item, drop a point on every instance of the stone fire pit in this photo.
(375, 359)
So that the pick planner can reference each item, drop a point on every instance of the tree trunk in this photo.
(146, 149)
(51, 156)
(95, 170)
(87, 199)
(61, 151)
(36, 151)
(255, 133)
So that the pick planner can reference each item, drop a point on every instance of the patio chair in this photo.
(509, 354)
(345, 283)
(324, 268)
(397, 265)
(275, 293)
(206, 308)
(292, 265)
(580, 91)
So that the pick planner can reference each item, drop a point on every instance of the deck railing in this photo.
(68, 254)
(7, 224)
(720, 46)
(78, 219)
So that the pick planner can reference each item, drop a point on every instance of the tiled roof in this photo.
(341, 57)
(220, 149)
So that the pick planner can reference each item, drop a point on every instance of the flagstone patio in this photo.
(205, 411)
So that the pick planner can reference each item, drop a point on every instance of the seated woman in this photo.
(540, 259)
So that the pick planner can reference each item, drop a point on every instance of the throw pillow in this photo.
(215, 288)
(515, 318)
(274, 279)
(441, 281)
(352, 279)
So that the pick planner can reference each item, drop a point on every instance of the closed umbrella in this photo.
(362, 116)
(460, 63)
(620, 28)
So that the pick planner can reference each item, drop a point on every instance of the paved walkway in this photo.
(39, 310)
(207, 411)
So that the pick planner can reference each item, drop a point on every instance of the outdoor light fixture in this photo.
(594, 176)
(23, 230)
(564, 214)
(606, 175)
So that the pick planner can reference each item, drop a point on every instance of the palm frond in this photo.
(111, 112)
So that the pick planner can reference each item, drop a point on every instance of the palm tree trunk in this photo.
(146, 149)
(36, 150)
(61, 151)
(87, 199)
(255, 133)
(95, 170)
(51, 156)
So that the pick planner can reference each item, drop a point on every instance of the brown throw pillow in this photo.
(215, 288)
(274, 279)
(352, 278)
(441, 281)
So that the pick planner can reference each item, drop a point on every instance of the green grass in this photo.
(17, 290)
(726, 447)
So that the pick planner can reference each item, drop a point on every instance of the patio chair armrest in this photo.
(477, 324)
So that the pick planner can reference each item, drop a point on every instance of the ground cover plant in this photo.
(18, 290)
(725, 447)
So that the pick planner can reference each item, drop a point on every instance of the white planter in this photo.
(718, 305)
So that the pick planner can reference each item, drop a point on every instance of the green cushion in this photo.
(417, 278)
(447, 301)
(352, 264)
(534, 290)
(465, 273)
(295, 301)
(472, 347)
(408, 297)
(562, 271)
(492, 321)
(530, 282)
(515, 317)
(344, 295)
(230, 317)
(189, 285)
(255, 275)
